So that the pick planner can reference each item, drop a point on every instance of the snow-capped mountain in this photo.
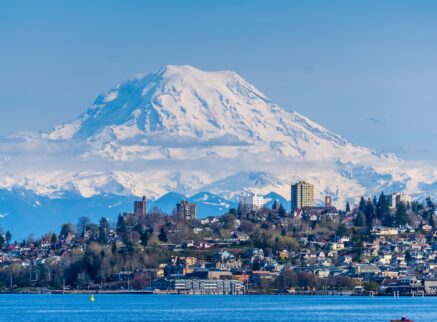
(189, 131)
(160, 116)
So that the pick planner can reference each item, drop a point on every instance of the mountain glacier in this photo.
(189, 131)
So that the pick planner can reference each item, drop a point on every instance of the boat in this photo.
(92, 298)
(402, 319)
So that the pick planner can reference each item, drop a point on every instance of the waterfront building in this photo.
(249, 203)
(302, 195)
(430, 285)
(186, 210)
(201, 286)
(406, 286)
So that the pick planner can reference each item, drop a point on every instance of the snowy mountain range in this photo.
(209, 135)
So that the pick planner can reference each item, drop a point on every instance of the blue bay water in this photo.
(213, 308)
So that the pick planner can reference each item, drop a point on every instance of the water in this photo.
(213, 308)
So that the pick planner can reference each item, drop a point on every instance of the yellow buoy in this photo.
(92, 298)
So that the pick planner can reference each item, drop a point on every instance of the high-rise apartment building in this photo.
(249, 203)
(396, 198)
(186, 210)
(302, 195)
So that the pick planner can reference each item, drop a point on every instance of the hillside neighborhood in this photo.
(384, 245)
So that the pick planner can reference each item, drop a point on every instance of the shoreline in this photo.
(154, 292)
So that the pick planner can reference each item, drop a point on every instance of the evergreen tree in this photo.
(66, 229)
(274, 204)
(357, 246)
(8, 237)
(163, 235)
(370, 213)
(362, 206)
(360, 220)
(2, 241)
(415, 207)
(388, 220)
(144, 234)
(341, 230)
(432, 221)
(379, 206)
(401, 214)
(82, 224)
(374, 202)
(429, 203)
(282, 211)
(383, 211)
(120, 223)
(123, 230)
(103, 230)
(408, 257)
(425, 215)
(348, 207)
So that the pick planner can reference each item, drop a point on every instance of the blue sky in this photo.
(364, 69)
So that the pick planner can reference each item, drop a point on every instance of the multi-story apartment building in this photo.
(186, 210)
(396, 198)
(249, 203)
(302, 195)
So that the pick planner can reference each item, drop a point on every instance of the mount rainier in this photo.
(187, 132)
